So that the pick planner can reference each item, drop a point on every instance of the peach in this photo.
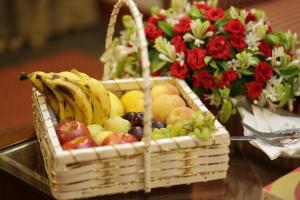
(179, 114)
(166, 88)
(164, 104)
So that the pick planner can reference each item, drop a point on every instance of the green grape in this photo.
(199, 121)
(196, 133)
(205, 133)
(176, 129)
(160, 133)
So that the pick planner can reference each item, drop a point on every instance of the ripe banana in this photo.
(100, 100)
(43, 89)
(60, 99)
(69, 114)
(80, 74)
(73, 95)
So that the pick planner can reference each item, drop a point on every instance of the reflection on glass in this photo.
(244, 180)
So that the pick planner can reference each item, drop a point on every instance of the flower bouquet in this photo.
(220, 53)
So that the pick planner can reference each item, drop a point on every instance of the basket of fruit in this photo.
(117, 136)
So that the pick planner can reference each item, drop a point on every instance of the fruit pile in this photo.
(91, 116)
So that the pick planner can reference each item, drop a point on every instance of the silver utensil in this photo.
(280, 138)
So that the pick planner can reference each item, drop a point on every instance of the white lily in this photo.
(277, 52)
(252, 41)
(274, 90)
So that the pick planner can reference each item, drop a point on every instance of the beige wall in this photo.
(144, 4)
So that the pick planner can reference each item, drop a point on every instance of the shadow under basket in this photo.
(121, 168)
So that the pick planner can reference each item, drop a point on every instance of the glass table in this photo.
(245, 178)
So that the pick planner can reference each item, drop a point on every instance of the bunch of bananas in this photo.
(73, 95)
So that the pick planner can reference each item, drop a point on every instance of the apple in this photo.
(164, 104)
(179, 114)
(79, 143)
(94, 129)
(166, 88)
(68, 130)
(117, 124)
(100, 136)
(118, 138)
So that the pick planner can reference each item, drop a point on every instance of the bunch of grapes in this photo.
(201, 125)
(137, 122)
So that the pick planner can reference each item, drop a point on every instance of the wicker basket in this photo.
(136, 166)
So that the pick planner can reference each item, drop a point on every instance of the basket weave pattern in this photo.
(135, 166)
(120, 168)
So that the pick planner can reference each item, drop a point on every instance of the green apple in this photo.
(94, 129)
(100, 136)
(117, 124)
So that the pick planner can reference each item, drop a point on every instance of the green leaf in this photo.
(272, 38)
(154, 10)
(246, 71)
(119, 68)
(223, 64)
(226, 111)
(128, 21)
(287, 95)
(156, 63)
(238, 88)
(166, 28)
(290, 71)
(217, 96)
(195, 13)
(220, 23)
(213, 64)
(207, 59)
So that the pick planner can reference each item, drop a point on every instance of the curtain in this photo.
(32, 22)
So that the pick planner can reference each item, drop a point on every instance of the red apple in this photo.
(68, 130)
(118, 138)
(79, 143)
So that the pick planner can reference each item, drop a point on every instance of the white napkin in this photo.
(264, 120)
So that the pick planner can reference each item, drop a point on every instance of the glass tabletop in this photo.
(245, 178)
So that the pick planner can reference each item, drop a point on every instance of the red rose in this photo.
(265, 48)
(179, 71)
(155, 19)
(158, 72)
(218, 48)
(254, 89)
(204, 79)
(214, 14)
(211, 28)
(263, 72)
(201, 6)
(153, 32)
(270, 30)
(179, 43)
(183, 25)
(195, 58)
(234, 26)
(250, 17)
(228, 77)
(238, 42)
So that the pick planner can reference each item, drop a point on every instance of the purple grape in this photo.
(137, 132)
(158, 124)
(129, 116)
(138, 119)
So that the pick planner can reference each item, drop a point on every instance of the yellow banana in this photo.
(95, 90)
(73, 95)
(43, 89)
(69, 114)
(60, 99)
(80, 74)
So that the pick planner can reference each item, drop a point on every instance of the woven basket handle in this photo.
(146, 75)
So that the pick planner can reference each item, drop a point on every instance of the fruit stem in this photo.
(23, 76)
